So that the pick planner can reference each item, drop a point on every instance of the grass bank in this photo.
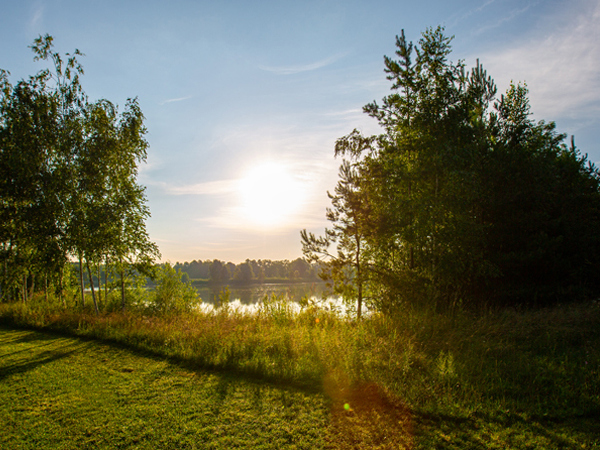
(510, 379)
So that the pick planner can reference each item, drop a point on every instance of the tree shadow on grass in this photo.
(505, 430)
(365, 417)
(9, 336)
(33, 356)
(25, 350)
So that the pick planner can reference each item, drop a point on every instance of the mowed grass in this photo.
(65, 393)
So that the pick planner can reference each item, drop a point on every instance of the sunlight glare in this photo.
(270, 195)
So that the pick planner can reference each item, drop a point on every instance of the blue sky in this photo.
(244, 99)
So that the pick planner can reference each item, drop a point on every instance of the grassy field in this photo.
(508, 379)
(59, 392)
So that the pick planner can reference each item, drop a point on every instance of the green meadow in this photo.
(310, 379)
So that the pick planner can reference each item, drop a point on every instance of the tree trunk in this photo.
(359, 279)
(60, 286)
(106, 280)
(122, 286)
(99, 285)
(2, 284)
(92, 287)
(411, 251)
(360, 300)
(81, 281)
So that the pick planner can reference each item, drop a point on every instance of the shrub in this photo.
(172, 294)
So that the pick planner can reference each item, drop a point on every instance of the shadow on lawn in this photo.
(22, 360)
(8, 336)
(506, 430)
(365, 417)
(22, 367)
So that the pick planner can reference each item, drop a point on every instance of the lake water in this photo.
(248, 295)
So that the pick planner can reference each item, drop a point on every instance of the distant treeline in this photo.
(198, 271)
(262, 270)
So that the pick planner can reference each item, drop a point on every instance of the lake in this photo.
(254, 293)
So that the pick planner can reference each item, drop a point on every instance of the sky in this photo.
(244, 100)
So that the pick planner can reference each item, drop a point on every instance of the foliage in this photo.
(68, 187)
(249, 271)
(172, 294)
(346, 268)
(276, 308)
(243, 272)
(223, 300)
(468, 200)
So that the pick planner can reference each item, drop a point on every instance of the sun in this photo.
(270, 194)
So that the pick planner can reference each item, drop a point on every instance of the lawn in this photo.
(66, 393)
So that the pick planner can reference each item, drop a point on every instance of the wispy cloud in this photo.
(220, 187)
(512, 15)
(484, 5)
(37, 17)
(352, 112)
(454, 20)
(560, 65)
(290, 70)
(233, 218)
(173, 100)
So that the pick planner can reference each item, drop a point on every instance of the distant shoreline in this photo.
(197, 282)
(241, 283)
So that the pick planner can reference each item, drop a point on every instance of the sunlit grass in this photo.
(507, 379)
(59, 392)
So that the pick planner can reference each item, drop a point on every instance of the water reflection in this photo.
(252, 294)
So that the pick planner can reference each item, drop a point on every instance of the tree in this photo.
(467, 198)
(34, 117)
(69, 186)
(300, 268)
(116, 203)
(543, 225)
(173, 293)
(348, 214)
(243, 272)
(219, 272)
(62, 84)
(414, 172)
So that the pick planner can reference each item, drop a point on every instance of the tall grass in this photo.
(276, 341)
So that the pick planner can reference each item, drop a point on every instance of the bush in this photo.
(172, 294)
